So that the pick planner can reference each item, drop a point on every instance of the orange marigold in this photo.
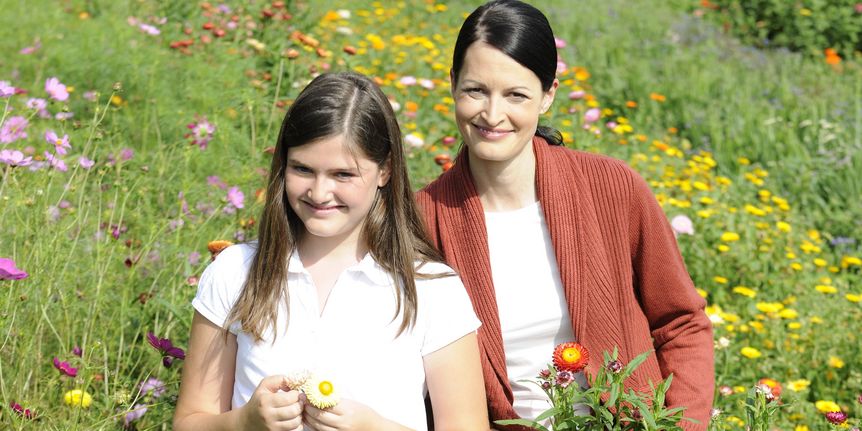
(571, 357)
(774, 386)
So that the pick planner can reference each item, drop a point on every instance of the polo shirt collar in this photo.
(367, 267)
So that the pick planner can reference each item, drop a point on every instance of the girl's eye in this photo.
(300, 169)
(344, 175)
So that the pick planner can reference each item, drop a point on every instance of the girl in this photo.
(556, 245)
(341, 282)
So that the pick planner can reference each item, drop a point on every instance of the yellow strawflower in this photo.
(78, 398)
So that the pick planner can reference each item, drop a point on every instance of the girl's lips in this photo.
(317, 209)
(491, 134)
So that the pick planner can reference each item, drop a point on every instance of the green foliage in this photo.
(806, 26)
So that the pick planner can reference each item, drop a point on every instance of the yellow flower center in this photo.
(325, 388)
(571, 354)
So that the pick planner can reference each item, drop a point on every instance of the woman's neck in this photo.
(505, 185)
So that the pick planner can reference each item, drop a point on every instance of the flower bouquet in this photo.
(613, 408)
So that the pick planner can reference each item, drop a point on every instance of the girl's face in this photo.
(497, 103)
(330, 189)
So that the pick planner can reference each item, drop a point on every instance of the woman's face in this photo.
(497, 104)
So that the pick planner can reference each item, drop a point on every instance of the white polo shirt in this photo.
(353, 343)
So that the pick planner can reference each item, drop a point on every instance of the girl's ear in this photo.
(548, 97)
(385, 173)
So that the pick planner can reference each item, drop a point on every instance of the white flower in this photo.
(320, 393)
(414, 140)
(682, 225)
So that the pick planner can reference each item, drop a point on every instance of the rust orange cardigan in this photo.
(624, 279)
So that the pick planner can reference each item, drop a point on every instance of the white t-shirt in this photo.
(353, 343)
(534, 316)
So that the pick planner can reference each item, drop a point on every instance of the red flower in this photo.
(774, 386)
(571, 357)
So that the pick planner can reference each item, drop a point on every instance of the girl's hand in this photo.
(271, 409)
(347, 415)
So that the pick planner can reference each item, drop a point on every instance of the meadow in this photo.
(136, 132)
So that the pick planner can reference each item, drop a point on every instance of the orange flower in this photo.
(216, 247)
(773, 384)
(832, 57)
(571, 357)
(657, 97)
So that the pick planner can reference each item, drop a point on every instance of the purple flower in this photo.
(194, 258)
(836, 418)
(215, 181)
(136, 413)
(14, 158)
(63, 116)
(6, 89)
(577, 95)
(565, 378)
(126, 154)
(545, 374)
(615, 366)
(77, 351)
(166, 348)
(8, 271)
(153, 387)
(27, 50)
(60, 144)
(408, 81)
(13, 129)
(36, 103)
(25, 413)
(91, 95)
(56, 162)
(235, 197)
(202, 132)
(55, 89)
(592, 115)
(149, 29)
(85, 162)
(64, 368)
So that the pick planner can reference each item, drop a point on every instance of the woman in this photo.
(555, 245)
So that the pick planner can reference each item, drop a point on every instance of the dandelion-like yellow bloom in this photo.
(750, 352)
(836, 362)
(770, 307)
(852, 297)
(730, 237)
(745, 291)
(822, 288)
(78, 398)
(798, 385)
(320, 393)
(801, 428)
(825, 406)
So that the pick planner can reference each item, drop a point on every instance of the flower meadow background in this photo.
(135, 132)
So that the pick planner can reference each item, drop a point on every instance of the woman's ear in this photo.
(452, 81)
(385, 173)
(548, 97)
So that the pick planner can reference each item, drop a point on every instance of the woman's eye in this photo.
(518, 96)
(344, 175)
(473, 91)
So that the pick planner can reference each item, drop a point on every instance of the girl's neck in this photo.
(505, 185)
(314, 250)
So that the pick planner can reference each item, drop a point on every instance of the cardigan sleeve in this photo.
(681, 330)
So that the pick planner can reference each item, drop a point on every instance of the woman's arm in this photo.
(207, 386)
(454, 377)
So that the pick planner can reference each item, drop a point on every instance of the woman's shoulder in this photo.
(603, 171)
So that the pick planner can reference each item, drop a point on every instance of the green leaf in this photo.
(548, 413)
(522, 422)
(630, 368)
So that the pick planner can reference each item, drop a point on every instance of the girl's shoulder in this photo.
(234, 260)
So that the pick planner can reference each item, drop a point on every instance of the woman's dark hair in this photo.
(520, 31)
(352, 106)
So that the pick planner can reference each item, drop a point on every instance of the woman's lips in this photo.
(492, 134)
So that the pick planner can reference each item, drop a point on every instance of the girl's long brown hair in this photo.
(350, 105)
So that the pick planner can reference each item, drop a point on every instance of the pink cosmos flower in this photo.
(8, 271)
(6, 89)
(202, 132)
(77, 351)
(91, 95)
(136, 413)
(13, 129)
(36, 103)
(215, 181)
(85, 162)
(560, 43)
(235, 197)
(55, 89)
(150, 30)
(592, 115)
(577, 95)
(126, 154)
(14, 158)
(27, 50)
(60, 144)
(62, 116)
(408, 81)
(65, 369)
(682, 225)
(153, 387)
(858, 7)
(56, 162)
(426, 84)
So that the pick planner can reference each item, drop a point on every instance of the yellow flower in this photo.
(805, 12)
(730, 237)
(783, 226)
(822, 288)
(847, 261)
(750, 352)
(852, 297)
(788, 313)
(719, 279)
(796, 266)
(801, 428)
(770, 307)
(794, 325)
(836, 362)
(798, 385)
(702, 293)
(820, 263)
(723, 248)
(827, 406)
(745, 291)
(320, 393)
(78, 398)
